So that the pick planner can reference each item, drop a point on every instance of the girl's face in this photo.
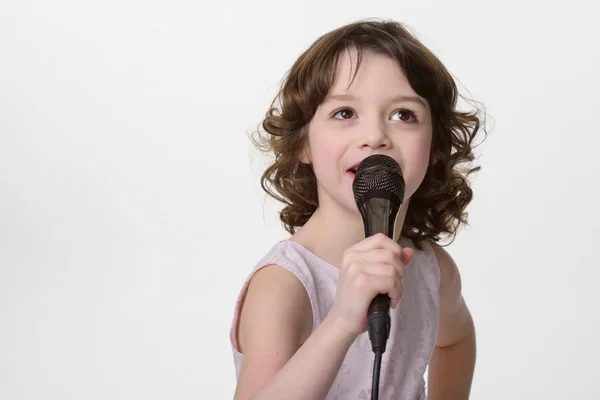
(379, 114)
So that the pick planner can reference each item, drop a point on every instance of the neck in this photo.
(331, 230)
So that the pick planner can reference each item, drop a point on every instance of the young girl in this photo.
(299, 326)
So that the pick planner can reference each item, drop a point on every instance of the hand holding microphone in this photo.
(374, 265)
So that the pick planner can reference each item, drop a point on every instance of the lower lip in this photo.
(350, 173)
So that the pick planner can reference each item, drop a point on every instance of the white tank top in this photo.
(414, 323)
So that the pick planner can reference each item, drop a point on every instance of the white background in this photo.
(131, 210)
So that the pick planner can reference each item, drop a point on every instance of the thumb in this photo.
(407, 255)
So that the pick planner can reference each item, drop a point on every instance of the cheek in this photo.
(325, 150)
(320, 157)
(416, 164)
(324, 165)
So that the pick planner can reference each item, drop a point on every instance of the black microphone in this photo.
(378, 192)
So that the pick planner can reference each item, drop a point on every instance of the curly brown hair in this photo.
(438, 205)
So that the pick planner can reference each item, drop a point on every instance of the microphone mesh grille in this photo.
(378, 172)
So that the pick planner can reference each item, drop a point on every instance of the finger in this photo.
(378, 241)
(380, 269)
(378, 284)
(407, 256)
(384, 256)
(408, 253)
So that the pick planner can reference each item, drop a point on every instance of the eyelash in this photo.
(411, 112)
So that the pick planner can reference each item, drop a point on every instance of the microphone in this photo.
(379, 192)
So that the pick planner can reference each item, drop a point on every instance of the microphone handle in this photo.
(378, 320)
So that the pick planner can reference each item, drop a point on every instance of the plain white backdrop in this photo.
(131, 210)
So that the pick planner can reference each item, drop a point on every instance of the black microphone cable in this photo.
(379, 331)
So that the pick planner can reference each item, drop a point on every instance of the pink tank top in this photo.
(413, 331)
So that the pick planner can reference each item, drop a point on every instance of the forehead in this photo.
(376, 71)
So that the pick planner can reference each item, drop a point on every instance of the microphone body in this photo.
(379, 192)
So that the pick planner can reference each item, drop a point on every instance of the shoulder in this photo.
(275, 318)
(276, 294)
(450, 280)
(454, 317)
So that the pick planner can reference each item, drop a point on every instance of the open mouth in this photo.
(351, 171)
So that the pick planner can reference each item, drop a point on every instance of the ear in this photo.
(305, 156)
(433, 159)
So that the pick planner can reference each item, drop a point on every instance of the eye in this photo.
(405, 115)
(345, 113)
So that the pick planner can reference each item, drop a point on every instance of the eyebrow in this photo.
(348, 97)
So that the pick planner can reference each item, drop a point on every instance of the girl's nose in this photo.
(376, 138)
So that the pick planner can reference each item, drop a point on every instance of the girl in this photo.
(299, 326)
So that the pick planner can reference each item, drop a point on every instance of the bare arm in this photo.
(453, 360)
(282, 360)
